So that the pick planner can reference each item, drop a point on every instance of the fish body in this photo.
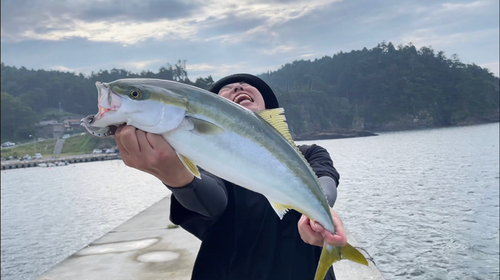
(251, 149)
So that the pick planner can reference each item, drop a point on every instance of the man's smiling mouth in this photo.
(242, 97)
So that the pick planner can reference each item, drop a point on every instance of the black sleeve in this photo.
(198, 205)
(322, 164)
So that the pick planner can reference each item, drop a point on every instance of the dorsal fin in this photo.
(276, 118)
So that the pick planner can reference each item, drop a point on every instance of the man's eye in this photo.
(224, 89)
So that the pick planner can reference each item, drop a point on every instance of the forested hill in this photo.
(384, 88)
(381, 88)
(29, 96)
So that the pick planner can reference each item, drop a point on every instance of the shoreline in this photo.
(347, 133)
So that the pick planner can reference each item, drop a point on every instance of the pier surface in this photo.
(147, 247)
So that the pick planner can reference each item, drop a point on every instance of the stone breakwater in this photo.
(13, 164)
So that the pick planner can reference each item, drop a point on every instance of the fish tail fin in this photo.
(331, 254)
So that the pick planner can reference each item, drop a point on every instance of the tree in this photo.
(18, 119)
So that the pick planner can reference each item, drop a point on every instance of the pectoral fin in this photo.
(189, 165)
(205, 127)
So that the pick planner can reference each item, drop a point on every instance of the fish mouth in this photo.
(101, 132)
(242, 97)
(108, 102)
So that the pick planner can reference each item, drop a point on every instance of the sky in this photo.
(219, 38)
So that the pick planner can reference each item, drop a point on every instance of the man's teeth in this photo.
(242, 97)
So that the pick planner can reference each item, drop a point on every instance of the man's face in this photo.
(245, 95)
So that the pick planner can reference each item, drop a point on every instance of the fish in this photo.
(227, 140)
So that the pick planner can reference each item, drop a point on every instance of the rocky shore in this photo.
(333, 135)
(407, 123)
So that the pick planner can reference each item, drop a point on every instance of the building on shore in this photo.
(49, 129)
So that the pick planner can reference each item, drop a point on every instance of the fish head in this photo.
(136, 102)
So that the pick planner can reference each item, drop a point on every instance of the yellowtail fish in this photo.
(225, 139)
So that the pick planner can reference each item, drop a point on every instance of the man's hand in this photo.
(314, 234)
(152, 154)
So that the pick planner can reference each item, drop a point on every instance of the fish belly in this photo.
(244, 162)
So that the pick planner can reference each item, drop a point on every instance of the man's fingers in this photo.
(123, 150)
(307, 234)
(339, 238)
(128, 139)
(340, 235)
(304, 225)
(317, 227)
(158, 142)
(335, 239)
(142, 141)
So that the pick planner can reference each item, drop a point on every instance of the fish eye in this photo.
(135, 94)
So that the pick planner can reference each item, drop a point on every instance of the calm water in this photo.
(424, 204)
(50, 213)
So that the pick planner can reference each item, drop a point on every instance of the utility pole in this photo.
(34, 142)
(60, 111)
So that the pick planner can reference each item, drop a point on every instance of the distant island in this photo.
(352, 94)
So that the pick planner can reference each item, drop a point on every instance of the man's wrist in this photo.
(179, 182)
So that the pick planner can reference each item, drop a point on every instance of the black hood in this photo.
(260, 85)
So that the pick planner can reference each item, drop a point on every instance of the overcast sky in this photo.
(224, 37)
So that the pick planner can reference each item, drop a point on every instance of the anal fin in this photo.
(279, 208)
(189, 165)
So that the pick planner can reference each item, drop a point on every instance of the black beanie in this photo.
(260, 85)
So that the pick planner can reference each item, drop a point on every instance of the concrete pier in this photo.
(12, 164)
(148, 247)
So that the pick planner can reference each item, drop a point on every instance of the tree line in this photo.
(362, 89)
(370, 87)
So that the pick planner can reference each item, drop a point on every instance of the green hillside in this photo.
(383, 88)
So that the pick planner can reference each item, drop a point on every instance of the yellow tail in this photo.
(331, 254)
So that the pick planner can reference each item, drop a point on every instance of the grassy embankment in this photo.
(46, 148)
(76, 145)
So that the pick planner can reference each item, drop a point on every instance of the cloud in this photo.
(459, 11)
(92, 19)
(453, 7)
(118, 32)
(61, 68)
(139, 65)
(130, 22)
(222, 37)
(200, 67)
(280, 49)
(76, 70)
(430, 37)
(219, 70)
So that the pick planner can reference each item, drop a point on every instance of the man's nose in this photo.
(238, 88)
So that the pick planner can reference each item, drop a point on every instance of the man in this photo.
(242, 237)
